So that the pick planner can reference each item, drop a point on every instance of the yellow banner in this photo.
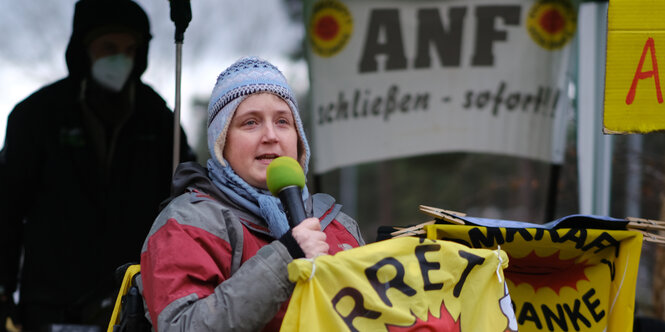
(562, 279)
(633, 91)
(403, 284)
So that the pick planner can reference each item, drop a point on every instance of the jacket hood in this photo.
(93, 15)
(192, 174)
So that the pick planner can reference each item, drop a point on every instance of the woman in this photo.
(216, 257)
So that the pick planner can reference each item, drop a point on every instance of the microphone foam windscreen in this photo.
(283, 172)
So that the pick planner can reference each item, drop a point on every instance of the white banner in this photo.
(402, 78)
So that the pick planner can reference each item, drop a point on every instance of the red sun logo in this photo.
(326, 27)
(546, 272)
(330, 27)
(552, 21)
(445, 322)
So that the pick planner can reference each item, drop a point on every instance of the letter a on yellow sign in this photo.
(635, 45)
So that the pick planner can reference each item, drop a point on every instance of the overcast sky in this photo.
(35, 35)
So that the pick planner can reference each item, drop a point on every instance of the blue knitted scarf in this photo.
(258, 201)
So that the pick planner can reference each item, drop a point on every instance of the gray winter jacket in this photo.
(210, 265)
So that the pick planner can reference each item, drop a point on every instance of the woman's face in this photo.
(262, 129)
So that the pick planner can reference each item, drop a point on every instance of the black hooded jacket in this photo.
(75, 220)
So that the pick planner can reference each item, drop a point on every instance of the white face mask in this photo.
(112, 71)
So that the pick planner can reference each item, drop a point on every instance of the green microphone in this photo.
(285, 179)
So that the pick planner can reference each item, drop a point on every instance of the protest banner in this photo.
(394, 79)
(405, 284)
(562, 279)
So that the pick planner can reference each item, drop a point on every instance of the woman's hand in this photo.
(310, 238)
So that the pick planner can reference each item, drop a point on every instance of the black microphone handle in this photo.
(181, 15)
(291, 198)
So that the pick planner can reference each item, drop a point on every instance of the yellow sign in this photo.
(403, 284)
(635, 45)
(562, 279)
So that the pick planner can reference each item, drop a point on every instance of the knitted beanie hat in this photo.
(245, 77)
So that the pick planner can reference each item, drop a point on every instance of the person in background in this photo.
(86, 162)
(217, 255)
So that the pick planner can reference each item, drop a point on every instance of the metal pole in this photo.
(181, 15)
(594, 149)
(176, 111)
